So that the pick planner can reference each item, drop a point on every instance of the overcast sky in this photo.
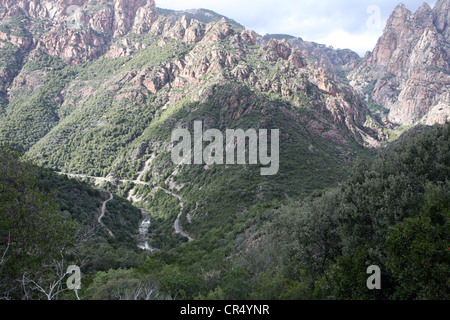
(351, 24)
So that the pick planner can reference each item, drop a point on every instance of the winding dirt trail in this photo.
(103, 214)
(177, 221)
(176, 225)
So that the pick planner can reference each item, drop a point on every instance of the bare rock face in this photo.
(76, 46)
(125, 12)
(441, 17)
(408, 72)
(55, 9)
(68, 33)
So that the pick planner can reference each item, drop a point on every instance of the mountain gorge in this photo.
(102, 99)
(93, 89)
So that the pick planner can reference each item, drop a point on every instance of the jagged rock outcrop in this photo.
(74, 47)
(81, 30)
(326, 56)
(304, 74)
(408, 72)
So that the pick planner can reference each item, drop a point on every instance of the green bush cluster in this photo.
(392, 212)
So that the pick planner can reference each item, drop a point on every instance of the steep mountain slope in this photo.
(408, 72)
(143, 26)
(393, 212)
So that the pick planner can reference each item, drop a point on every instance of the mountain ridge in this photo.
(75, 46)
(135, 55)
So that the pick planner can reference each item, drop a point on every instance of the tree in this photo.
(391, 212)
(123, 284)
(418, 253)
(307, 236)
(31, 225)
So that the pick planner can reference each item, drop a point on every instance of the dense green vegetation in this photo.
(11, 60)
(16, 26)
(392, 212)
(29, 223)
(216, 194)
(55, 218)
(32, 114)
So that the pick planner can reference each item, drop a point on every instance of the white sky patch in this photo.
(341, 39)
(292, 25)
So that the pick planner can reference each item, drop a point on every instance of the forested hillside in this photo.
(48, 222)
(392, 211)
(91, 94)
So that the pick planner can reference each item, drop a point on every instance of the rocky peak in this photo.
(400, 13)
(399, 18)
(424, 16)
(403, 29)
(441, 17)
(424, 8)
(125, 13)
(408, 69)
